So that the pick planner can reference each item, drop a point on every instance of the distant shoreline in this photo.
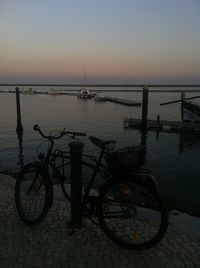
(96, 85)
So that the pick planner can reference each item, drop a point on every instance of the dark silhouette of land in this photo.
(98, 85)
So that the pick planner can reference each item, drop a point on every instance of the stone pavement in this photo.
(50, 245)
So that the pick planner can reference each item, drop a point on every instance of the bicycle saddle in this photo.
(100, 143)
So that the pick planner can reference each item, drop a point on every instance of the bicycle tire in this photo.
(65, 182)
(126, 211)
(33, 191)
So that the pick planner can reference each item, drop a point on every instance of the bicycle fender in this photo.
(146, 180)
(143, 179)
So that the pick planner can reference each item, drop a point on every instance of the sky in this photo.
(113, 41)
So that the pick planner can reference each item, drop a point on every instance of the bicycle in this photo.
(128, 207)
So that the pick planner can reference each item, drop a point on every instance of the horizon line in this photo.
(100, 85)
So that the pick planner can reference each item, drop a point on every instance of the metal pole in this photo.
(76, 149)
(145, 107)
(19, 128)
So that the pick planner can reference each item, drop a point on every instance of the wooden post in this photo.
(143, 138)
(145, 107)
(182, 99)
(20, 154)
(76, 149)
(19, 128)
(182, 95)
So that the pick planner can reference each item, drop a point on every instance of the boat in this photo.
(190, 111)
(85, 94)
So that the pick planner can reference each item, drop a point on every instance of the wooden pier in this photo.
(34, 92)
(163, 125)
(76, 93)
(145, 124)
(122, 101)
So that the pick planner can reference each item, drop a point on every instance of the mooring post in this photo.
(143, 138)
(20, 153)
(76, 149)
(182, 100)
(145, 107)
(182, 95)
(19, 128)
(158, 119)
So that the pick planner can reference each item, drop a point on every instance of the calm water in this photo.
(173, 158)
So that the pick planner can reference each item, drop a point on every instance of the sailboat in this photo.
(190, 111)
(85, 93)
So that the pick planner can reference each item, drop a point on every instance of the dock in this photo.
(123, 101)
(34, 92)
(75, 93)
(163, 125)
(118, 101)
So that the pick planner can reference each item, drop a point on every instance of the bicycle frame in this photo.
(59, 170)
(123, 201)
(49, 160)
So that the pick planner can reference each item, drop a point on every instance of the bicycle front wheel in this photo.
(32, 194)
(131, 215)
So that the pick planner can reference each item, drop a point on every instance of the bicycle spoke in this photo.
(131, 215)
(31, 195)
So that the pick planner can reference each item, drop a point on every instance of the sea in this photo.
(173, 158)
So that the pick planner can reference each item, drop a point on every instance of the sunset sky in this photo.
(114, 41)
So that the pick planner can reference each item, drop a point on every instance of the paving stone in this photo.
(50, 245)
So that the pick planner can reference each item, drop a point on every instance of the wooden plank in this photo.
(123, 102)
(170, 102)
(173, 126)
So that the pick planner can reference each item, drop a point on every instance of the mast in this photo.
(84, 76)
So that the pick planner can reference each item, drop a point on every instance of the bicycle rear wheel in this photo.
(133, 216)
(33, 195)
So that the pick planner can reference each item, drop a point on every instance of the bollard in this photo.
(76, 149)
(145, 107)
(19, 128)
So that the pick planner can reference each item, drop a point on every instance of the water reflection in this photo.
(188, 141)
(172, 157)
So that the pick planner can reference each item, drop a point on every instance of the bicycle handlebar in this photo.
(62, 133)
